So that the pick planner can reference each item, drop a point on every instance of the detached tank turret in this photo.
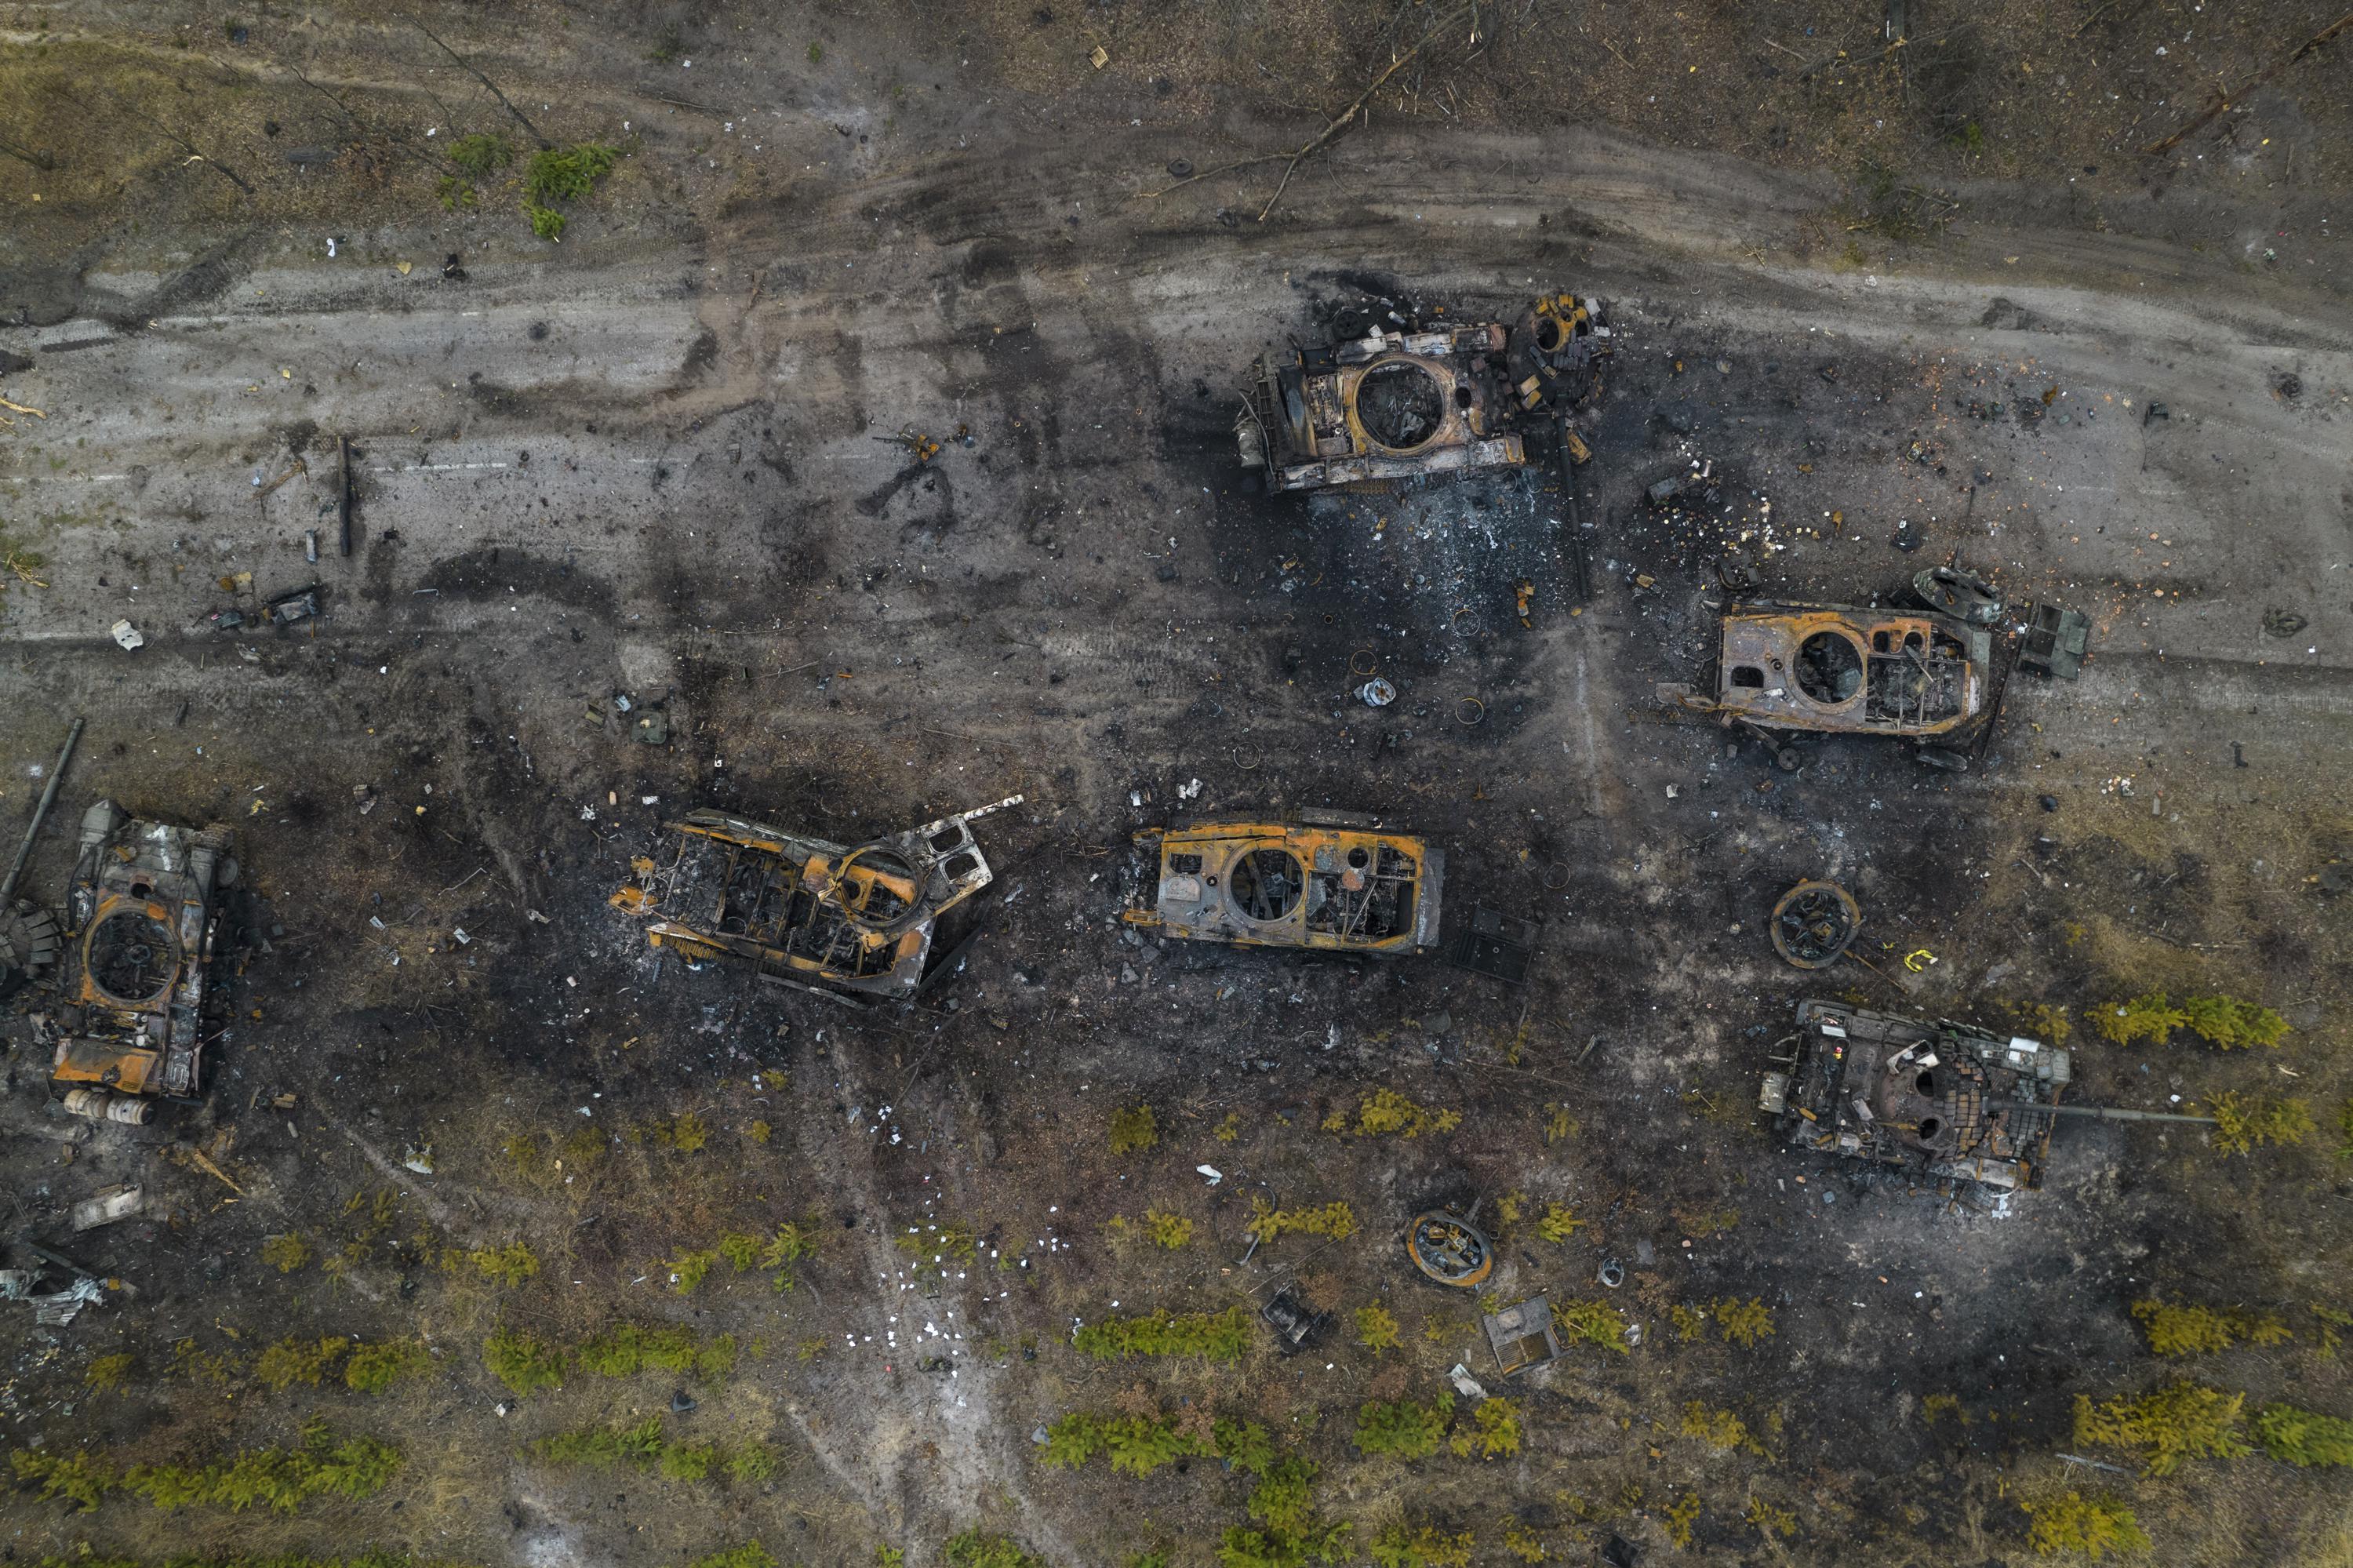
(1945, 1101)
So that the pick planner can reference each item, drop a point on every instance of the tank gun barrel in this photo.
(2102, 1113)
(33, 828)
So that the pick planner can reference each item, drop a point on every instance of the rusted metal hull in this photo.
(1278, 885)
(142, 905)
(1840, 670)
(804, 912)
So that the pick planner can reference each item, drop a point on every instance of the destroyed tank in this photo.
(144, 910)
(854, 923)
(1392, 398)
(1942, 1102)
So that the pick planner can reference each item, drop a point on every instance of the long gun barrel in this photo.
(2102, 1113)
(33, 830)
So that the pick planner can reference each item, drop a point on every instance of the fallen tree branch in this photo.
(2222, 100)
(486, 81)
(1341, 121)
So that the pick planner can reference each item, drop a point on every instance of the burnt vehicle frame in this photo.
(1932, 1100)
(144, 914)
(1833, 669)
(1379, 404)
(1334, 881)
(851, 923)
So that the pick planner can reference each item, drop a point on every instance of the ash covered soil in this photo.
(666, 460)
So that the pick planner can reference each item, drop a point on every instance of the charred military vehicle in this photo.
(1391, 397)
(144, 910)
(1332, 880)
(1939, 1102)
(854, 923)
(1842, 669)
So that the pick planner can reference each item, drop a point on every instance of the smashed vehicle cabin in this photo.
(1333, 881)
(144, 913)
(1844, 670)
(852, 923)
(1397, 398)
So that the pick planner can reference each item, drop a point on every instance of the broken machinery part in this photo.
(1814, 924)
(1296, 1324)
(851, 923)
(1523, 1337)
(1494, 943)
(2054, 641)
(1331, 880)
(1449, 1248)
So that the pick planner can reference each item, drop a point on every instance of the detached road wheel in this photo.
(1788, 758)
(29, 945)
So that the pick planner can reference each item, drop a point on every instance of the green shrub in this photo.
(79, 1478)
(291, 1362)
(643, 1446)
(1494, 1429)
(1385, 1111)
(2181, 1421)
(2241, 1125)
(285, 1253)
(1594, 1322)
(2094, 1526)
(2178, 1330)
(1245, 1446)
(974, 1549)
(2232, 1024)
(1167, 1229)
(1719, 1429)
(1073, 1439)
(1558, 1224)
(1377, 1327)
(2145, 1018)
(750, 1554)
(509, 1265)
(569, 175)
(1680, 1516)
(283, 1478)
(1337, 1221)
(545, 221)
(1213, 1336)
(372, 1369)
(1405, 1429)
(2303, 1438)
(1744, 1323)
(524, 1363)
(480, 154)
(1134, 1129)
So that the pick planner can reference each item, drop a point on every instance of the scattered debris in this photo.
(104, 1208)
(1523, 1337)
(418, 1159)
(128, 635)
(1296, 1324)
(1334, 879)
(1464, 1383)
(2280, 623)
(1494, 944)
(850, 923)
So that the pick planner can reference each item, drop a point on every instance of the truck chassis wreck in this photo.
(1842, 669)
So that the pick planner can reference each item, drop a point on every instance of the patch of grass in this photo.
(685, 1133)
(1770, 1520)
(1134, 1129)
(1384, 1112)
(1690, 1323)
(1524, 1543)
(285, 1253)
(2181, 1421)
(523, 1362)
(939, 1247)
(1231, 1128)
(2331, 1322)
(291, 1362)
(2303, 1438)
(976, 1549)
(482, 155)
(750, 1554)
(816, 54)
(631, 1349)
(1493, 1429)
(1337, 1221)
(106, 1373)
(1377, 1327)
(373, 1369)
(1408, 1545)
(688, 1270)
(2094, 1526)
(644, 1447)
(1681, 1514)
(1744, 1323)
(1404, 1429)
(1558, 1224)
(545, 221)
(509, 1265)
(759, 1132)
(283, 1478)
(81, 1478)
(454, 193)
(2243, 1124)
(568, 175)
(1719, 1429)
(668, 47)
(2181, 1331)
(1560, 1125)
(1937, 1407)
(1211, 1336)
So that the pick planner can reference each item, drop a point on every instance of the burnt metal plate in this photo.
(1494, 943)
